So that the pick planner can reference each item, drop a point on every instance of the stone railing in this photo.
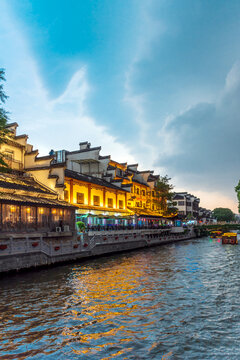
(27, 244)
(133, 231)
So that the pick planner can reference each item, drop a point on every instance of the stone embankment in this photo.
(35, 250)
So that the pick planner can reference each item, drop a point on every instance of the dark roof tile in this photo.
(90, 179)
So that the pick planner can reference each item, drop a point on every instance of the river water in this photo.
(178, 301)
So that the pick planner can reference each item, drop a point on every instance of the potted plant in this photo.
(80, 226)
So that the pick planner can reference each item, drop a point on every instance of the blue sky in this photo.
(153, 81)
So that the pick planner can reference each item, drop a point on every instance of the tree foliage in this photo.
(223, 214)
(3, 118)
(164, 196)
(237, 189)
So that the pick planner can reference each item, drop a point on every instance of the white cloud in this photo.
(50, 123)
(195, 138)
(203, 146)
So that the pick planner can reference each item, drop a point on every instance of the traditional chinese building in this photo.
(104, 191)
(187, 205)
(99, 202)
(25, 203)
(28, 206)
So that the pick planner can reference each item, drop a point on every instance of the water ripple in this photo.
(171, 302)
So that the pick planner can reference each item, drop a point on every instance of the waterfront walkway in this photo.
(32, 250)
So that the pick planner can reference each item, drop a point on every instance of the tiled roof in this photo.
(30, 200)
(84, 150)
(90, 179)
(142, 182)
(110, 167)
(11, 124)
(11, 187)
(14, 182)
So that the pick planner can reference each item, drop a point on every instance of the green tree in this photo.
(223, 214)
(237, 189)
(3, 119)
(164, 196)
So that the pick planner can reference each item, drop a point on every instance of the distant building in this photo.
(187, 205)
(206, 216)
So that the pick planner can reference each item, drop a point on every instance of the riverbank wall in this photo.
(27, 252)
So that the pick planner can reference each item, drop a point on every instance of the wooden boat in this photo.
(229, 238)
(215, 234)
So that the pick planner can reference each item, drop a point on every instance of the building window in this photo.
(140, 203)
(80, 198)
(180, 203)
(96, 200)
(119, 172)
(136, 190)
(152, 206)
(120, 204)
(143, 193)
(66, 195)
(110, 203)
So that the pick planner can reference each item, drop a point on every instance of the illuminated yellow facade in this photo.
(96, 184)
(95, 197)
(142, 198)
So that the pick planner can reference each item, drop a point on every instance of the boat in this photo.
(229, 238)
(216, 233)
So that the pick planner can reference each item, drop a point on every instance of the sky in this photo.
(155, 82)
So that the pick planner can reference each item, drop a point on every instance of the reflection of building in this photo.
(104, 191)
(187, 205)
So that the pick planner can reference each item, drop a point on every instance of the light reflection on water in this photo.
(170, 302)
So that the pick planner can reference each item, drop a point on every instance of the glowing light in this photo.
(28, 210)
(13, 209)
(54, 211)
(40, 210)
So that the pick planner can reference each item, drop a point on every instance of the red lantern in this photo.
(3, 247)
(34, 244)
(57, 248)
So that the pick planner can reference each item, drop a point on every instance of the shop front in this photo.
(22, 216)
(104, 220)
(28, 206)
